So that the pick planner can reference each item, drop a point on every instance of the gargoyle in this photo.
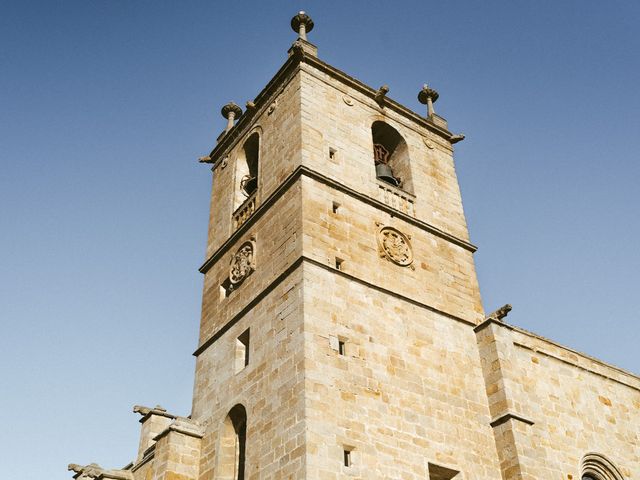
(88, 471)
(500, 313)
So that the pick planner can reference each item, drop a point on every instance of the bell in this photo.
(249, 184)
(384, 173)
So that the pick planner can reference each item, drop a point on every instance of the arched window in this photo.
(232, 445)
(598, 467)
(391, 156)
(247, 169)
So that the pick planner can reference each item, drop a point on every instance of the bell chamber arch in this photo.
(391, 156)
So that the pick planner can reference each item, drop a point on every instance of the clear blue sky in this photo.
(106, 105)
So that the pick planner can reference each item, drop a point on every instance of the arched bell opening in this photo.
(391, 156)
(247, 169)
(232, 446)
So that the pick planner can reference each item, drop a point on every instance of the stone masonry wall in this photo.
(408, 391)
(278, 243)
(270, 387)
(569, 405)
(329, 122)
(279, 155)
(443, 274)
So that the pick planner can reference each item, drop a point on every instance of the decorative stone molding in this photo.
(395, 246)
(597, 466)
(242, 263)
(430, 145)
(184, 426)
(346, 99)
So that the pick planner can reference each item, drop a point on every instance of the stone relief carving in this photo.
(428, 143)
(346, 99)
(395, 246)
(242, 263)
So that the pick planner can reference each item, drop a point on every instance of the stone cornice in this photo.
(183, 426)
(510, 416)
(631, 384)
(389, 103)
(579, 366)
(306, 171)
(281, 79)
(147, 456)
(488, 321)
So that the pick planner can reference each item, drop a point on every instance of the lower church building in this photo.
(342, 332)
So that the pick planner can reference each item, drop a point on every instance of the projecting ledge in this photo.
(510, 416)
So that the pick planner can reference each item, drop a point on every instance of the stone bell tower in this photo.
(342, 333)
(339, 288)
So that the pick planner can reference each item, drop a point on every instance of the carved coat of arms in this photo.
(395, 246)
(242, 263)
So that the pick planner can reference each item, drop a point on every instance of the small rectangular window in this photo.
(225, 289)
(332, 153)
(347, 457)
(339, 263)
(242, 351)
(342, 350)
(334, 207)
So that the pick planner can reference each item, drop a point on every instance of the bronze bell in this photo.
(384, 173)
(249, 184)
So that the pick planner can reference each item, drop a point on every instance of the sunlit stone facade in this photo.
(342, 331)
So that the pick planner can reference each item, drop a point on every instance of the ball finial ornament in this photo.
(302, 24)
(229, 108)
(427, 93)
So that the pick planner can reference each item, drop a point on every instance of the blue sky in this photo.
(106, 105)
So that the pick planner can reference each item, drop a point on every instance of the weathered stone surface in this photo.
(342, 331)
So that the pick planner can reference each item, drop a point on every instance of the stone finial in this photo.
(230, 111)
(500, 313)
(250, 106)
(381, 93)
(302, 24)
(427, 96)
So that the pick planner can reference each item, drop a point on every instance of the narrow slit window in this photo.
(342, 349)
(334, 207)
(332, 153)
(347, 458)
(339, 263)
(242, 351)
